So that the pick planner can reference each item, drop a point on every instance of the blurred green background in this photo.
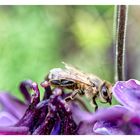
(35, 39)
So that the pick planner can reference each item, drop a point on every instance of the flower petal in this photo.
(107, 128)
(128, 94)
(6, 119)
(56, 129)
(79, 114)
(14, 130)
(48, 91)
(35, 114)
(112, 114)
(12, 105)
(35, 99)
(24, 87)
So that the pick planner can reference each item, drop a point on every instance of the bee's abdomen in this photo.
(64, 83)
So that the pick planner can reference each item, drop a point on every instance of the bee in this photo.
(81, 83)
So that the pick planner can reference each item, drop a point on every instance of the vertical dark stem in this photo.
(121, 12)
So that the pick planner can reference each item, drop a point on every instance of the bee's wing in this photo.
(74, 70)
(69, 74)
(78, 74)
(84, 77)
(57, 73)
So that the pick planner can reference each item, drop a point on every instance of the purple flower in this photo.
(53, 116)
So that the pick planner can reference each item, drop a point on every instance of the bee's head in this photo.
(106, 93)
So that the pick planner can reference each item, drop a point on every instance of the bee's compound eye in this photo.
(104, 92)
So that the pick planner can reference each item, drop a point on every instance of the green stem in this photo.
(120, 35)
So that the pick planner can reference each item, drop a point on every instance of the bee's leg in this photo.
(71, 97)
(94, 103)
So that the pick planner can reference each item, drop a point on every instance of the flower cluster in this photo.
(53, 116)
(49, 116)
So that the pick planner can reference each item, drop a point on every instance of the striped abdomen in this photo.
(69, 84)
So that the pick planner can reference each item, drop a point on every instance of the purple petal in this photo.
(6, 119)
(111, 121)
(56, 129)
(42, 108)
(112, 114)
(46, 127)
(107, 128)
(24, 87)
(36, 96)
(14, 130)
(128, 94)
(79, 114)
(30, 118)
(48, 91)
(134, 129)
(35, 114)
(12, 105)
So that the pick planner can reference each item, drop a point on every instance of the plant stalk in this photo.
(121, 12)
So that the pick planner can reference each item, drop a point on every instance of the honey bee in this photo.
(81, 83)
